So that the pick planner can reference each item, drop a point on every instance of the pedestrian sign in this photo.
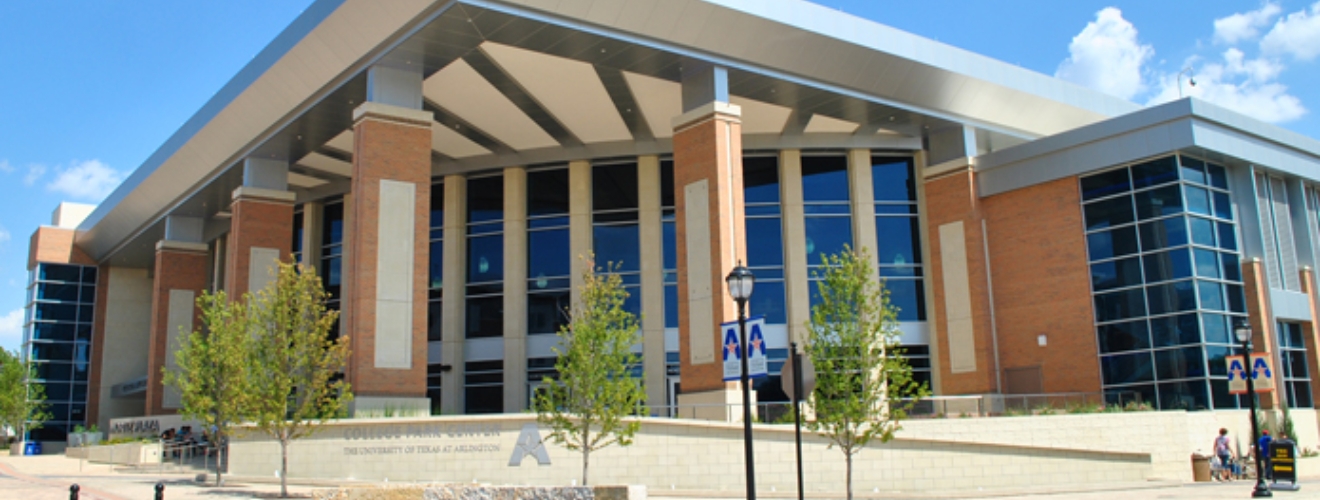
(1262, 373)
(756, 360)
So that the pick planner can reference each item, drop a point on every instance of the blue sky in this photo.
(90, 89)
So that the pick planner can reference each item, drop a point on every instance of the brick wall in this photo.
(175, 270)
(1042, 284)
(255, 223)
(55, 245)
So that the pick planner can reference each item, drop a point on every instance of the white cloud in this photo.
(89, 180)
(11, 329)
(1245, 25)
(34, 172)
(4, 235)
(1297, 34)
(1106, 56)
(5, 167)
(1248, 86)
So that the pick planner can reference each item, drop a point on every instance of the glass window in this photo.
(1158, 202)
(1203, 231)
(1227, 236)
(1218, 177)
(547, 312)
(485, 317)
(1108, 213)
(1217, 329)
(1212, 295)
(1175, 330)
(1198, 200)
(1207, 263)
(1223, 206)
(1113, 243)
(614, 187)
(1171, 297)
(1192, 169)
(826, 235)
(767, 300)
(1127, 336)
(1154, 172)
(1179, 363)
(619, 246)
(485, 201)
(548, 254)
(1164, 266)
(1127, 368)
(1163, 233)
(898, 240)
(1105, 184)
(761, 179)
(485, 258)
(548, 192)
(909, 296)
(891, 179)
(60, 272)
(1185, 395)
(1120, 305)
(825, 178)
(1116, 274)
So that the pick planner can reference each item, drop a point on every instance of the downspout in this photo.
(990, 293)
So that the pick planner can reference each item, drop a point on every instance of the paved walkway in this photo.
(48, 477)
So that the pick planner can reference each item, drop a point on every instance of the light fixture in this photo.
(740, 281)
(1242, 330)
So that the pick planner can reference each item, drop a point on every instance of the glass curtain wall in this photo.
(61, 301)
(332, 253)
(435, 295)
(615, 234)
(898, 235)
(549, 258)
(1294, 374)
(1161, 240)
(763, 223)
(670, 243)
(827, 214)
(485, 286)
(297, 243)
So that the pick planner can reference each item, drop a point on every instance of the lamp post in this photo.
(1243, 332)
(740, 281)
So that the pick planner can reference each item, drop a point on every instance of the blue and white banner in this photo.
(757, 366)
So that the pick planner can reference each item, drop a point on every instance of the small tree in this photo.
(294, 387)
(861, 377)
(586, 406)
(22, 401)
(214, 366)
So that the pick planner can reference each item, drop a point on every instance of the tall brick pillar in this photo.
(261, 228)
(388, 257)
(708, 195)
(179, 278)
(1261, 319)
(958, 275)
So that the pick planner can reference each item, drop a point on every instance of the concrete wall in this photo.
(948, 454)
(127, 324)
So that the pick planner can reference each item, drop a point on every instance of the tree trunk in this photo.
(219, 460)
(848, 459)
(284, 468)
(586, 459)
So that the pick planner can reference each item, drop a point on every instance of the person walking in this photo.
(1225, 454)
(1263, 448)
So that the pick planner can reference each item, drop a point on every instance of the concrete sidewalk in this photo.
(48, 477)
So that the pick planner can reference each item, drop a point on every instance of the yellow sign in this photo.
(1262, 373)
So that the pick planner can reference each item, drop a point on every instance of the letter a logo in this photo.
(529, 443)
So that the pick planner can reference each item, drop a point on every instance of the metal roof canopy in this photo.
(298, 94)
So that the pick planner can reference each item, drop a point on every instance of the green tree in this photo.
(294, 384)
(22, 401)
(213, 369)
(862, 379)
(586, 406)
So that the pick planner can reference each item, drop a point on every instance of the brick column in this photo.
(1311, 329)
(180, 277)
(958, 275)
(388, 257)
(1261, 319)
(260, 236)
(708, 192)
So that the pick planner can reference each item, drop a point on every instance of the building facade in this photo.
(446, 165)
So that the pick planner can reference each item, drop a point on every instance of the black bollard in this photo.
(160, 491)
(73, 492)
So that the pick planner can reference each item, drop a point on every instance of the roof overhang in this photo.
(1188, 125)
(806, 76)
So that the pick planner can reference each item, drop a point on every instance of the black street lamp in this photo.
(740, 281)
(1243, 332)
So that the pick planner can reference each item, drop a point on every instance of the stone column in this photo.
(515, 289)
(179, 278)
(579, 224)
(653, 279)
(313, 216)
(708, 190)
(1311, 329)
(389, 247)
(796, 285)
(862, 196)
(452, 311)
(261, 228)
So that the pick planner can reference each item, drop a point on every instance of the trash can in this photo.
(1200, 468)
(30, 448)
